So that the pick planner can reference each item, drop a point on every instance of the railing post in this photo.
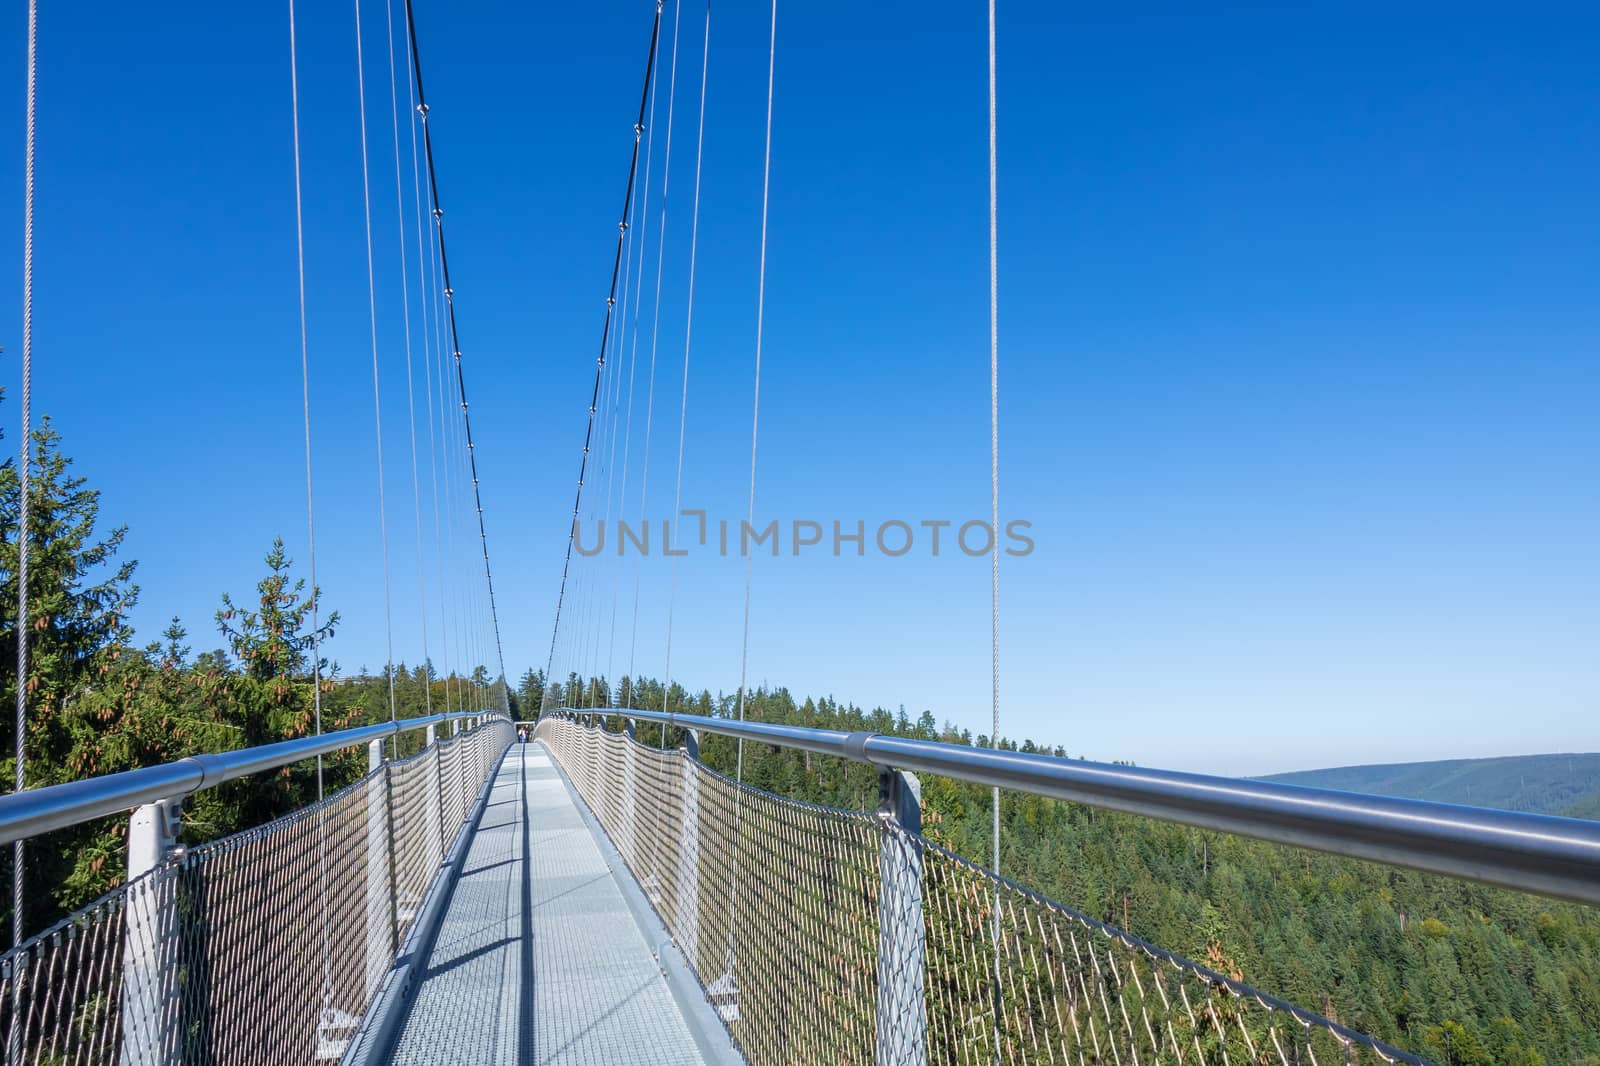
(436, 819)
(630, 799)
(688, 933)
(902, 1028)
(380, 935)
(149, 952)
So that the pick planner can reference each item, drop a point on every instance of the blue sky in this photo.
(1298, 349)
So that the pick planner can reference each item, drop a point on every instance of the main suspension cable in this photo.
(605, 333)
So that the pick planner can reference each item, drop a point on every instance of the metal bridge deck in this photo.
(539, 959)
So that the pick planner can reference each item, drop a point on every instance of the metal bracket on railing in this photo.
(632, 729)
(900, 798)
(902, 1020)
(855, 746)
(153, 835)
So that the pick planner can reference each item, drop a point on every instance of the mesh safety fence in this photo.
(264, 947)
(833, 936)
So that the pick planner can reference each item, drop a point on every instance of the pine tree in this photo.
(271, 697)
(79, 594)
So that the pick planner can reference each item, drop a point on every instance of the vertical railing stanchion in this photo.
(688, 931)
(630, 788)
(149, 956)
(902, 1025)
(380, 926)
(436, 816)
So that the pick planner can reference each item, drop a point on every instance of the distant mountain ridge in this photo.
(1540, 784)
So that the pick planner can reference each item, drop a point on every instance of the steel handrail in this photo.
(1543, 854)
(42, 810)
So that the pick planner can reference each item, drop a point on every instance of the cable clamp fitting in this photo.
(855, 746)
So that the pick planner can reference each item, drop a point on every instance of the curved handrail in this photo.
(42, 810)
(1543, 854)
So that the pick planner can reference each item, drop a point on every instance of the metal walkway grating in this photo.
(540, 963)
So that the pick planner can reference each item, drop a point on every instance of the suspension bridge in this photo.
(581, 886)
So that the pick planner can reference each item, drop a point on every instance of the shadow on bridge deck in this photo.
(539, 958)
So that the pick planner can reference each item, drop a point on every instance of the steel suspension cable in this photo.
(755, 423)
(455, 337)
(605, 333)
(578, 614)
(377, 417)
(633, 356)
(755, 405)
(606, 419)
(633, 360)
(588, 628)
(448, 433)
(994, 491)
(311, 513)
(24, 517)
(629, 299)
(655, 328)
(449, 615)
(688, 332)
(436, 335)
(447, 427)
(594, 572)
(477, 631)
(377, 397)
(584, 635)
(618, 471)
(405, 305)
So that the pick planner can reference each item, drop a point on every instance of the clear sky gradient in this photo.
(1299, 346)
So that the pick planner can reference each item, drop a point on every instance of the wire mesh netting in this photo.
(264, 947)
(832, 936)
